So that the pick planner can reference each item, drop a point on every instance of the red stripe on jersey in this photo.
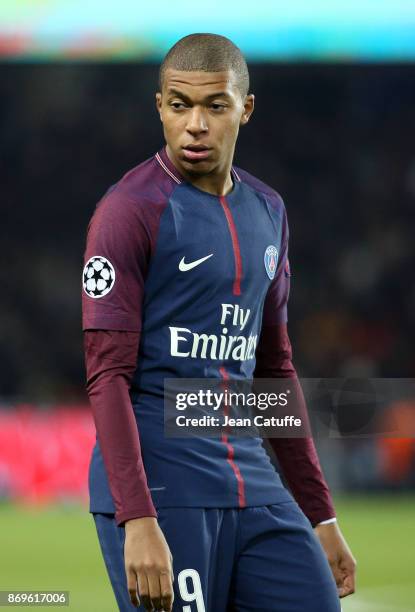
(235, 245)
(231, 453)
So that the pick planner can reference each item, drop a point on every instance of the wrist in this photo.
(137, 524)
(327, 521)
(328, 529)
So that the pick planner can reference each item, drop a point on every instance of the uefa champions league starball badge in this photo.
(270, 260)
(98, 277)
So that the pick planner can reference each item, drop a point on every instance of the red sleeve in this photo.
(297, 456)
(118, 250)
(111, 358)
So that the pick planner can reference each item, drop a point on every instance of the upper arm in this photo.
(117, 239)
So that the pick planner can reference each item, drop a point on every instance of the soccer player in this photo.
(184, 249)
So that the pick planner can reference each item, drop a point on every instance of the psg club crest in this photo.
(98, 277)
(270, 260)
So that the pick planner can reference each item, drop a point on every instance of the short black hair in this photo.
(207, 53)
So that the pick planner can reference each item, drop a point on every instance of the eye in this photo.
(177, 105)
(217, 107)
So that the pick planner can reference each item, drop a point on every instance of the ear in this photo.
(158, 105)
(248, 109)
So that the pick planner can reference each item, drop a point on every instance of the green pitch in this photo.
(56, 548)
(381, 533)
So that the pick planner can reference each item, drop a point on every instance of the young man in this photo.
(180, 240)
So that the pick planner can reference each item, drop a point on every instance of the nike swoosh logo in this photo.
(184, 267)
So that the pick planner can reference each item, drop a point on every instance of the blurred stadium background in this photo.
(333, 131)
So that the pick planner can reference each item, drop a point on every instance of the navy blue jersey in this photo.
(197, 275)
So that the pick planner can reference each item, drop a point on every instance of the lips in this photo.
(196, 152)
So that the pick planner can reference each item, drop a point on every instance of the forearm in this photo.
(299, 463)
(297, 457)
(108, 381)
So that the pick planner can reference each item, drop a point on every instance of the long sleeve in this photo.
(118, 249)
(110, 358)
(296, 456)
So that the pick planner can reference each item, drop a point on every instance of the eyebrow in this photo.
(180, 94)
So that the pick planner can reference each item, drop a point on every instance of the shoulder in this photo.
(140, 195)
(255, 184)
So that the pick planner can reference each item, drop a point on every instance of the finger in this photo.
(348, 587)
(154, 590)
(337, 572)
(132, 587)
(166, 588)
(338, 575)
(143, 590)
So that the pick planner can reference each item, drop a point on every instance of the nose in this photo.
(196, 123)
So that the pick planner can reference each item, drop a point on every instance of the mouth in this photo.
(196, 152)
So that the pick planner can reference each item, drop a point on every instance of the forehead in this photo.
(200, 83)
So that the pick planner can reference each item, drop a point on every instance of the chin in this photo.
(203, 166)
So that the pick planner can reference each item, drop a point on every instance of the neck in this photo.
(218, 183)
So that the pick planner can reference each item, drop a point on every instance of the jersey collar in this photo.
(170, 169)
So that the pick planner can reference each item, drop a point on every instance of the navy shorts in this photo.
(261, 558)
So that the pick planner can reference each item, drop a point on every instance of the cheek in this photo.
(175, 127)
(228, 131)
(168, 123)
(172, 125)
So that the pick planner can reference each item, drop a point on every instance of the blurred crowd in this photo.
(335, 140)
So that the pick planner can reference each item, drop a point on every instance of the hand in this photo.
(148, 564)
(340, 558)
